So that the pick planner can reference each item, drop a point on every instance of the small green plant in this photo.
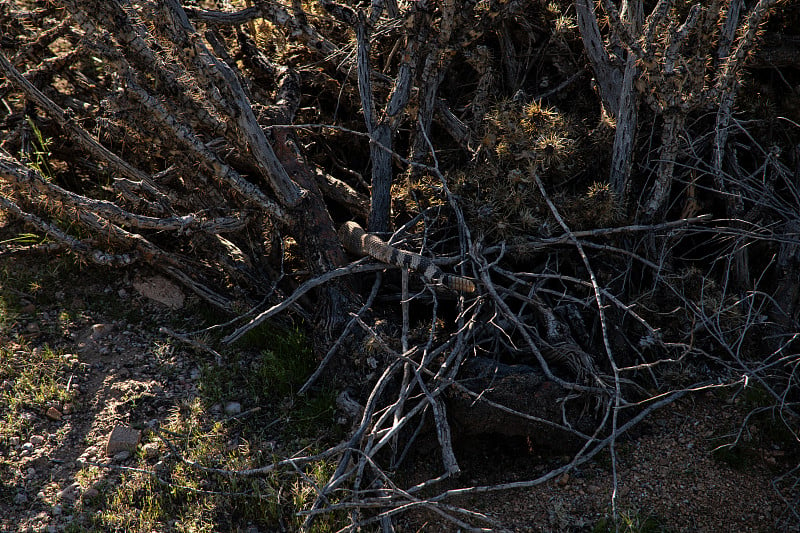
(41, 152)
(32, 379)
(284, 361)
(24, 238)
(762, 430)
(631, 521)
(187, 498)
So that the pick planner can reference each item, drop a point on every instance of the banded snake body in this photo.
(359, 242)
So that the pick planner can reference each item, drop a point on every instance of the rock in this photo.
(56, 510)
(124, 455)
(161, 290)
(13, 441)
(524, 389)
(233, 408)
(70, 493)
(53, 414)
(28, 308)
(122, 438)
(37, 440)
(20, 498)
(32, 327)
(90, 493)
(563, 480)
(39, 463)
(101, 330)
(150, 450)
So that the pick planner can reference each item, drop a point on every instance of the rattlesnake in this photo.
(359, 242)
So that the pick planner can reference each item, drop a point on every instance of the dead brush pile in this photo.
(621, 185)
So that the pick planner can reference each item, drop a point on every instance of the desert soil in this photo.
(124, 371)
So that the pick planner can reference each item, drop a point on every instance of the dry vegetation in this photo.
(621, 182)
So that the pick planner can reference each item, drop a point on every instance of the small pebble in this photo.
(20, 498)
(36, 440)
(53, 414)
(150, 450)
(122, 456)
(233, 408)
(70, 493)
(101, 330)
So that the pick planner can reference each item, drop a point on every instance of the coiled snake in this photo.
(359, 242)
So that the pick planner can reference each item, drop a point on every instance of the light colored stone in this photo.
(101, 330)
(37, 440)
(122, 438)
(161, 290)
(150, 450)
(233, 408)
(70, 493)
